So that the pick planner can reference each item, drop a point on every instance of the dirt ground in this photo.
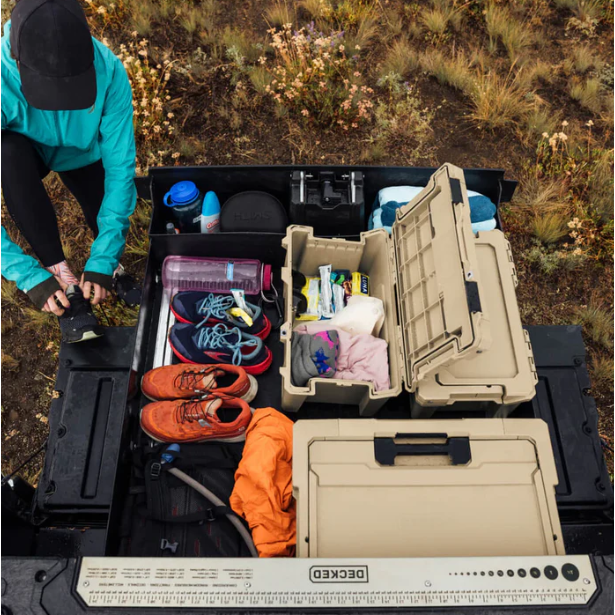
(218, 122)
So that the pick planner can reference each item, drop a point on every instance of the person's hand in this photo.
(100, 292)
(52, 305)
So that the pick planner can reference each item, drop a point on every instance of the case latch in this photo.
(511, 262)
(530, 355)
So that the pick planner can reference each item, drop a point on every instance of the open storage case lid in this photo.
(438, 278)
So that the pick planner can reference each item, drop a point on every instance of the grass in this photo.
(549, 228)
(451, 71)
(40, 323)
(142, 14)
(597, 322)
(280, 13)
(588, 94)
(367, 29)
(239, 47)
(515, 36)
(540, 196)
(9, 363)
(601, 371)
(539, 120)
(10, 293)
(582, 60)
(498, 101)
(261, 79)
(401, 59)
(194, 20)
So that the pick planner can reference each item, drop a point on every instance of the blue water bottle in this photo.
(186, 203)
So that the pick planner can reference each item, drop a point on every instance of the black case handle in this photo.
(458, 449)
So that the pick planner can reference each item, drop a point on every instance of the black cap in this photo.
(51, 41)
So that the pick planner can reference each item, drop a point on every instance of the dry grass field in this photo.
(523, 85)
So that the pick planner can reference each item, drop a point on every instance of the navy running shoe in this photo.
(199, 307)
(78, 323)
(204, 345)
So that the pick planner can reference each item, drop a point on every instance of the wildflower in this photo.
(357, 47)
(356, 73)
(305, 112)
(101, 10)
(545, 135)
(175, 155)
(562, 136)
(564, 123)
(170, 115)
(589, 124)
(341, 48)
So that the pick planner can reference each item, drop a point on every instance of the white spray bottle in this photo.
(210, 217)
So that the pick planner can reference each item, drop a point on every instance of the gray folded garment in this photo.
(313, 356)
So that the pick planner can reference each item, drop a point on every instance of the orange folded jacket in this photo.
(263, 492)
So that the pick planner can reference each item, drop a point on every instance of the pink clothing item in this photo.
(360, 357)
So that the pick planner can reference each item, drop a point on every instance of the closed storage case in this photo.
(451, 323)
(412, 488)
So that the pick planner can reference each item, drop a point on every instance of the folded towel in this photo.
(392, 198)
(485, 225)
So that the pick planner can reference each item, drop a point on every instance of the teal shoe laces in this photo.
(221, 336)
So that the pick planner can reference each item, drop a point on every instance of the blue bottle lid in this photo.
(211, 204)
(181, 193)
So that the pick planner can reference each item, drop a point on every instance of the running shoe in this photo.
(202, 345)
(78, 323)
(186, 382)
(214, 418)
(126, 287)
(196, 307)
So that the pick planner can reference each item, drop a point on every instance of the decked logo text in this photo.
(338, 574)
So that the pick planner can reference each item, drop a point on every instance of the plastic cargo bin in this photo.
(475, 487)
(452, 322)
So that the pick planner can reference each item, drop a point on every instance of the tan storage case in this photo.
(428, 276)
(377, 488)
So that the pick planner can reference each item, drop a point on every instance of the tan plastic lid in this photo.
(504, 373)
(438, 279)
(414, 488)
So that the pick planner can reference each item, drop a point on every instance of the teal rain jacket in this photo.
(69, 140)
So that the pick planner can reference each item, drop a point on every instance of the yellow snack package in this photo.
(311, 290)
(360, 284)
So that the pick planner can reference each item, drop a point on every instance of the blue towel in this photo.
(483, 225)
(390, 199)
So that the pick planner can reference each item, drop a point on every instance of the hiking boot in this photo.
(186, 382)
(126, 288)
(220, 344)
(224, 419)
(211, 309)
(78, 323)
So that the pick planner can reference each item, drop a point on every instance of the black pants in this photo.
(27, 200)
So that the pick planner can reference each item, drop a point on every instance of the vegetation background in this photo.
(523, 85)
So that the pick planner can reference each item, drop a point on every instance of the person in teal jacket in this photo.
(66, 107)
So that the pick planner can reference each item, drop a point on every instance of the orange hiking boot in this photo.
(188, 381)
(212, 418)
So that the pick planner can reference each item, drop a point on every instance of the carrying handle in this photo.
(165, 200)
(457, 448)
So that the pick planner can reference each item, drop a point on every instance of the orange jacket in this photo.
(263, 492)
